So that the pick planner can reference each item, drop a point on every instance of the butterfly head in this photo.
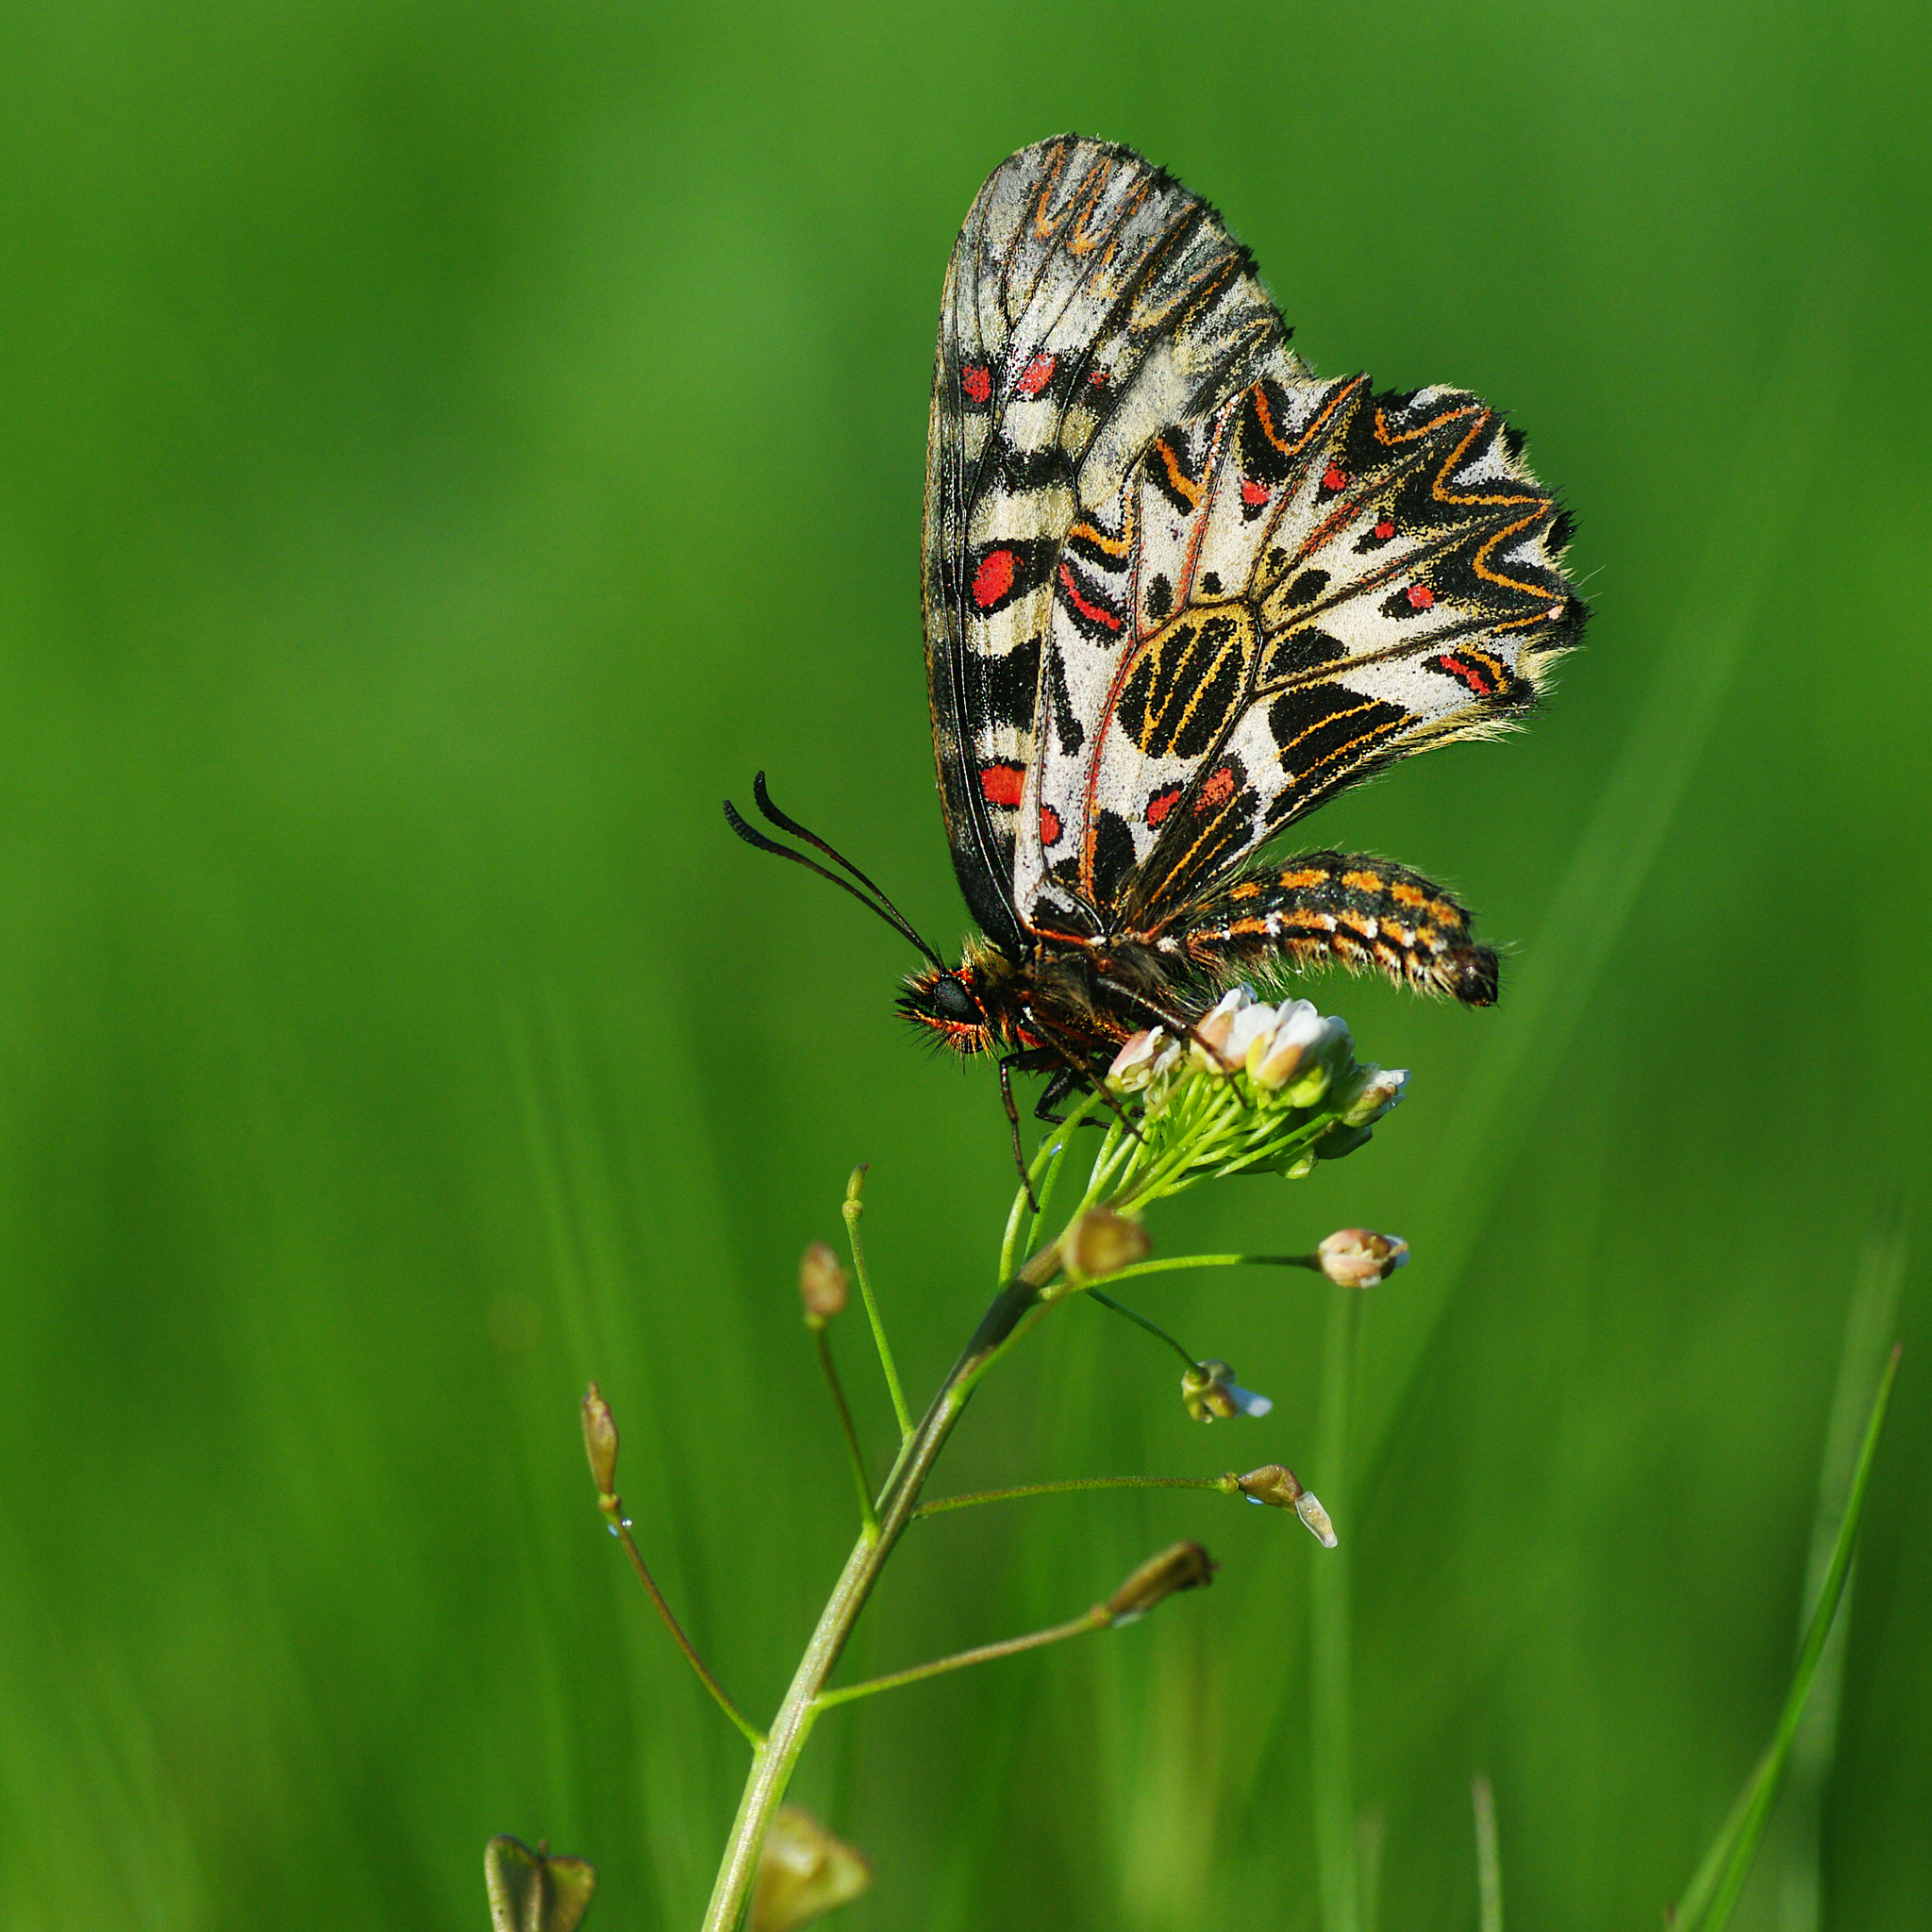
(968, 1006)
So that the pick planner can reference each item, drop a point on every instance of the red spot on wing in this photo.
(993, 578)
(976, 381)
(1093, 613)
(1162, 803)
(1049, 826)
(1420, 596)
(1334, 478)
(1384, 530)
(1002, 784)
(1098, 379)
(1253, 492)
(1037, 375)
(1218, 790)
(1469, 674)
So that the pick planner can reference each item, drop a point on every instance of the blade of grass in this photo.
(1868, 1320)
(1707, 1899)
(1488, 1864)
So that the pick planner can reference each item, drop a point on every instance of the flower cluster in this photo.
(1256, 1085)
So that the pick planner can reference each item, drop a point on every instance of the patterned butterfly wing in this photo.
(1179, 591)
(1088, 298)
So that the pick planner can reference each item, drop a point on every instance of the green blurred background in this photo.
(442, 450)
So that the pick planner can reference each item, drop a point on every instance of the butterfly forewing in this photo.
(1085, 293)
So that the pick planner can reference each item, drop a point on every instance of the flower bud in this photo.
(531, 1891)
(1356, 1258)
(824, 1286)
(1210, 1394)
(1102, 1243)
(600, 1445)
(804, 1873)
(1217, 1023)
(1300, 1031)
(1180, 1566)
(1380, 1089)
(1133, 1063)
(1277, 1486)
(1328, 1057)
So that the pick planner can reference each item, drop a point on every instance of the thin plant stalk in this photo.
(620, 1529)
(1331, 1666)
(1014, 1310)
(867, 1513)
(854, 1207)
(1228, 1485)
(1098, 1618)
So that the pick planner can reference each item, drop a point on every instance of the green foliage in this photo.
(443, 450)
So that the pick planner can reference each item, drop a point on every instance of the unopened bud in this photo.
(1277, 1486)
(804, 1873)
(1356, 1258)
(1300, 1032)
(1213, 1027)
(1211, 1393)
(1180, 1566)
(600, 1445)
(1101, 1243)
(1380, 1089)
(824, 1286)
(1329, 1057)
(531, 1891)
(1142, 1058)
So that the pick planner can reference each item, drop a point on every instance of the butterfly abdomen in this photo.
(1349, 909)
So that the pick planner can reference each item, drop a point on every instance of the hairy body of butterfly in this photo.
(1178, 591)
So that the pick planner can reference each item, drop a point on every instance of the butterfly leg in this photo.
(1006, 1065)
(1062, 1084)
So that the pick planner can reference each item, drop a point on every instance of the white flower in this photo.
(1301, 1030)
(1254, 1026)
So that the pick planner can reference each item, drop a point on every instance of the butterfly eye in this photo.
(951, 1001)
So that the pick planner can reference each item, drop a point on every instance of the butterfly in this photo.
(1179, 591)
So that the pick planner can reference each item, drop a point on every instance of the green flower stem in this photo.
(1107, 1301)
(1098, 1618)
(1169, 1265)
(853, 1209)
(868, 1515)
(1228, 1485)
(621, 1528)
(1331, 1687)
(1014, 1310)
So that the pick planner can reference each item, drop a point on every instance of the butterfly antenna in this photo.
(877, 902)
(785, 822)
